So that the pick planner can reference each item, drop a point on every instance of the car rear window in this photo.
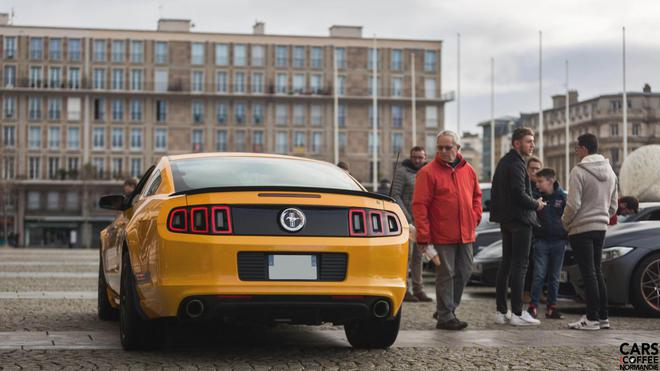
(209, 172)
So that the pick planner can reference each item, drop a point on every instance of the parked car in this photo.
(253, 237)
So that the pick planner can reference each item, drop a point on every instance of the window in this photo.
(34, 172)
(161, 110)
(371, 116)
(9, 136)
(36, 48)
(239, 82)
(160, 52)
(341, 85)
(258, 55)
(137, 51)
(614, 130)
(197, 112)
(315, 84)
(258, 83)
(317, 57)
(98, 138)
(239, 112)
(298, 56)
(160, 80)
(316, 115)
(9, 107)
(240, 55)
(136, 139)
(99, 78)
(10, 76)
(370, 58)
(73, 50)
(34, 108)
(53, 169)
(239, 140)
(281, 56)
(117, 138)
(340, 57)
(299, 83)
(73, 108)
(117, 107)
(636, 130)
(221, 112)
(397, 142)
(74, 78)
(614, 153)
(198, 140)
(370, 85)
(136, 79)
(429, 61)
(373, 146)
(281, 84)
(98, 164)
(342, 142)
(431, 119)
(430, 143)
(281, 114)
(298, 114)
(136, 167)
(221, 140)
(221, 54)
(160, 139)
(33, 200)
(397, 117)
(258, 141)
(396, 62)
(117, 79)
(317, 141)
(197, 85)
(341, 115)
(54, 108)
(35, 76)
(34, 137)
(282, 142)
(99, 109)
(8, 168)
(10, 51)
(74, 164)
(257, 113)
(298, 141)
(72, 200)
(73, 138)
(99, 50)
(397, 86)
(197, 53)
(53, 198)
(429, 88)
(118, 50)
(55, 77)
(136, 110)
(221, 84)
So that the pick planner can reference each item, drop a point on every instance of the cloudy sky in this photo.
(587, 33)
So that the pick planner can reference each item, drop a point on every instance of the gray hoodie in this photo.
(404, 186)
(592, 196)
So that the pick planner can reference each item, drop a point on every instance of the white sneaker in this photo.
(525, 319)
(604, 324)
(584, 324)
(501, 318)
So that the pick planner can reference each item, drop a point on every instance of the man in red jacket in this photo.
(447, 209)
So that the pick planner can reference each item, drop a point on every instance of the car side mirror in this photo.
(113, 202)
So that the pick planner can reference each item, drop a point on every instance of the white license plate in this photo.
(563, 276)
(477, 268)
(292, 267)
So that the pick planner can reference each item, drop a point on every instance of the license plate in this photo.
(292, 267)
(477, 268)
(563, 276)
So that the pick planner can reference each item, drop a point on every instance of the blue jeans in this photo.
(548, 259)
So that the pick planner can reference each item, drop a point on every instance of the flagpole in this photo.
(413, 94)
(374, 117)
(335, 125)
(625, 101)
(567, 132)
(458, 84)
(541, 145)
(492, 117)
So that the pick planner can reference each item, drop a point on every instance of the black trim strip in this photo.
(377, 196)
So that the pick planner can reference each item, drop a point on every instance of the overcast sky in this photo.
(586, 32)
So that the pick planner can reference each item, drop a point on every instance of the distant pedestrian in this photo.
(513, 206)
(403, 187)
(550, 241)
(447, 211)
(129, 186)
(343, 165)
(592, 201)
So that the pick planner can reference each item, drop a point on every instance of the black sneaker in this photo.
(452, 324)
(553, 313)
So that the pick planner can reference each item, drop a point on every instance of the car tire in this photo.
(106, 312)
(643, 298)
(136, 333)
(373, 333)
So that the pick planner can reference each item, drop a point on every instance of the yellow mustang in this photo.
(251, 236)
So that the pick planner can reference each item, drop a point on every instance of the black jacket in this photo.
(551, 228)
(511, 192)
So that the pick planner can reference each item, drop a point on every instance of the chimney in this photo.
(558, 100)
(572, 96)
(4, 19)
(174, 25)
(346, 31)
(647, 88)
(259, 28)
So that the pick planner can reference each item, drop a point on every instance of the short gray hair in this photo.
(455, 137)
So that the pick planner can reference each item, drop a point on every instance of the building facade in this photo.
(471, 148)
(82, 109)
(504, 127)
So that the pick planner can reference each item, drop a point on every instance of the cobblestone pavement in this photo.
(29, 327)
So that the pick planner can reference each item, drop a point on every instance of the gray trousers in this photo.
(415, 269)
(451, 277)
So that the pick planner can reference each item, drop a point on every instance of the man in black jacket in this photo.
(513, 206)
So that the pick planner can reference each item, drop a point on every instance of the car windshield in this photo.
(228, 171)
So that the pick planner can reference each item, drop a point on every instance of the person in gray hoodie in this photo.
(592, 201)
(402, 191)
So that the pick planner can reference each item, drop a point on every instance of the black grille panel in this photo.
(253, 266)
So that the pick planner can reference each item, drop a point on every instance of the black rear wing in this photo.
(349, 192)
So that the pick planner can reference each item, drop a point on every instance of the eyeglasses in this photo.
(444, 148)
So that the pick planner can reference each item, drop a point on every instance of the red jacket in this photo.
(446, 203)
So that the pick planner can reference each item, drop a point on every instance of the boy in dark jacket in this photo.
(550, 242)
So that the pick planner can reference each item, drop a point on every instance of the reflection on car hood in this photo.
(634, 234)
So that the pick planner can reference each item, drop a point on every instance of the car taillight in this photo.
(211, 219)
(373, 223)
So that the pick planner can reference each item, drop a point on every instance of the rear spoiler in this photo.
(377, 196)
